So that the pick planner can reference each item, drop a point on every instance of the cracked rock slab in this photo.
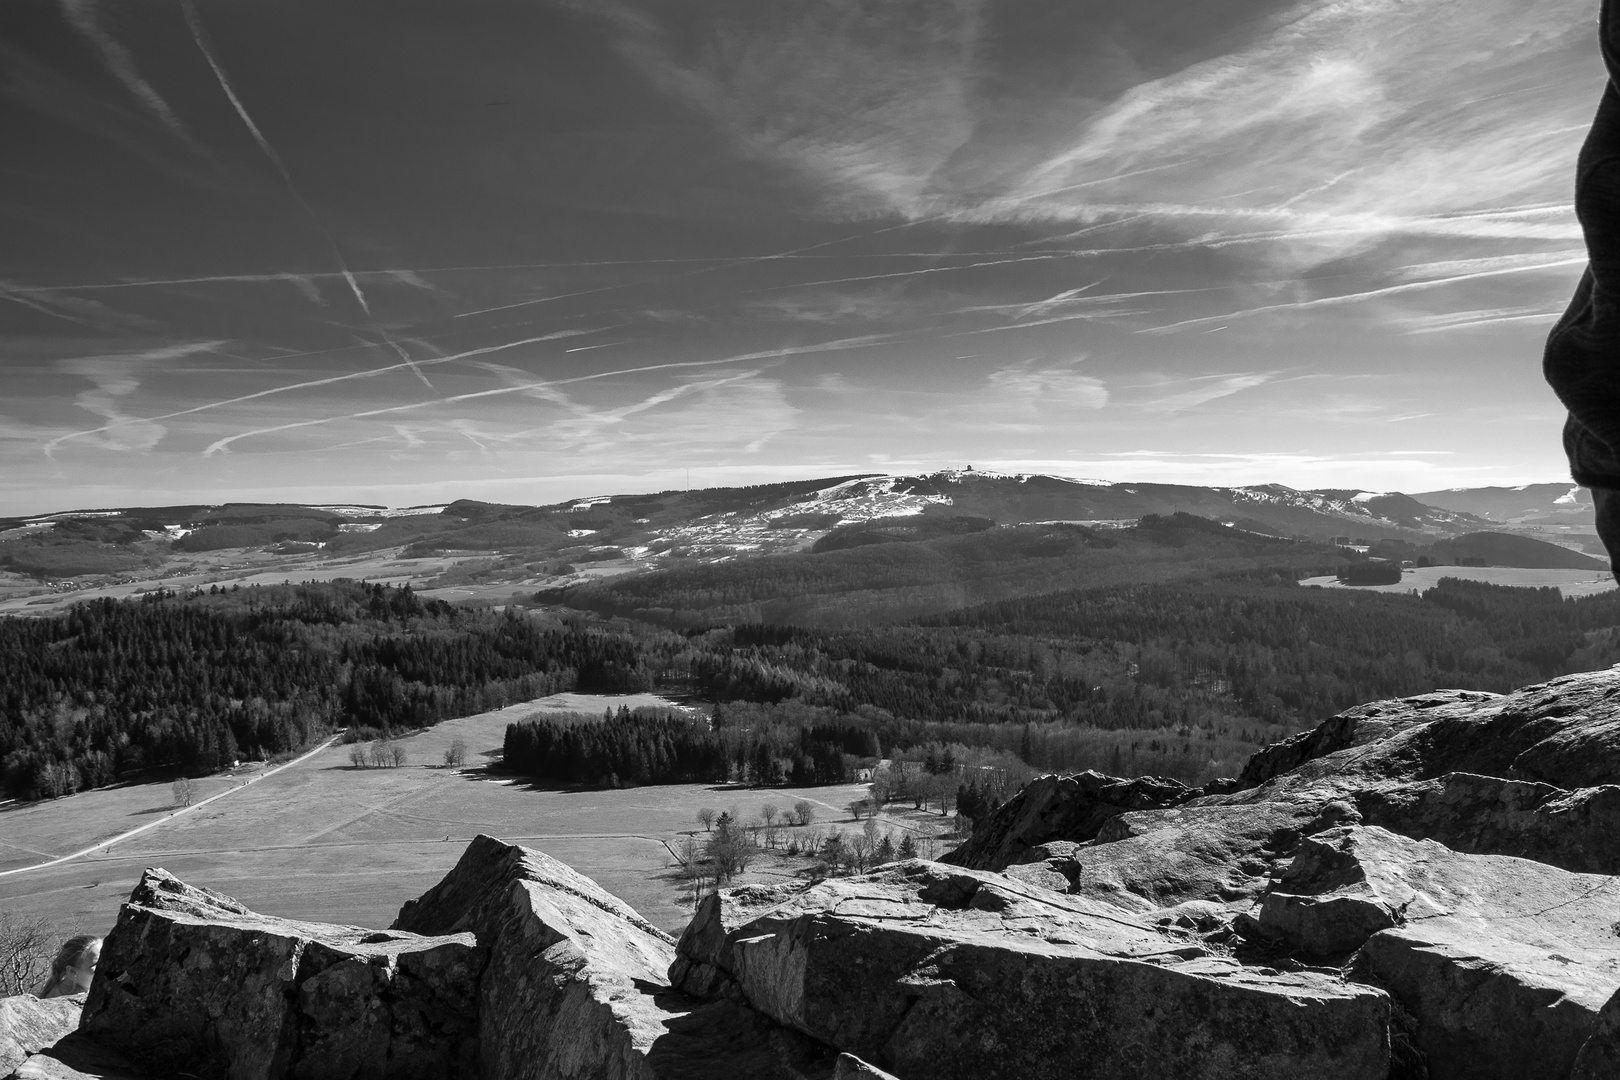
(1504, 963)
(933, 972)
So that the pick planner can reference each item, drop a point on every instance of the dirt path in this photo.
(82, 852)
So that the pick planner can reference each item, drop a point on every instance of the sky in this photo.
(526, 250)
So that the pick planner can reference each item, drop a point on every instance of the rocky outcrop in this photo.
(1061, 808)
(190, 980)
(566, 956)
(29, 1025)
(931, 971)
(1455, 849)
(523, 969)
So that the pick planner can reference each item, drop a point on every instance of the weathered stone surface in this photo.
(1159, 858)
(574, 973)
(1575, 830)
(1504, 963)
(1599, 1059)
(577, 987)
(702, 964)
(75, 1057)
(931, 971)
(29, 1024)
(1359, 726)
(192, 980)
(1061, 808)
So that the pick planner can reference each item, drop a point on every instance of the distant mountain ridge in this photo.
(643, 531)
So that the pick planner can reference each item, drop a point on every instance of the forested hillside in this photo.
(1182, 679)
(113, 688)
(895, 570)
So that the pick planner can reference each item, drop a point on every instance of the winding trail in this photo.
(82, 852)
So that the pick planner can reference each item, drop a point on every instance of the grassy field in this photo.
(323, 840)
(1569, 582)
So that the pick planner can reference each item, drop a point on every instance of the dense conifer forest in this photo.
(113, 688)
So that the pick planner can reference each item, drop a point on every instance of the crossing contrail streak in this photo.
(405, 356)
(309, 384)
(219, 445)
(200, 36)
(1371, 294)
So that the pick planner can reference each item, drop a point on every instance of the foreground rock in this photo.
(1506, 962)
(192, 981)
(1061, 808)
(1456, 849)
(524, 969)
(577, 984)
(930, 971)
(29, 1025)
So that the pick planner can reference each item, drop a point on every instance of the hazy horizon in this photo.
(408, 253)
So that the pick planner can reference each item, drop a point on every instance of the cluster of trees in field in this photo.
(110, 688)
(656, 746)
(729, 845)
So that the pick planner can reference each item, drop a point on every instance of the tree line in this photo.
(656, 746)
(113, 688)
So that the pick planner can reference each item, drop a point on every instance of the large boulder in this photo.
(1053, 808)
(574, 976)
(29, 1025)
(930, 971)
(190, 980)
(577, 984)
(1504, 963)
(1454, 848)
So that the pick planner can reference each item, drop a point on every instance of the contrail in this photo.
(1352, 298)
(747, 261)
(81, 14)
(312, 383)
(405, 356)
(200, 36)
(365, 275)
(909, 273)
(219, 445)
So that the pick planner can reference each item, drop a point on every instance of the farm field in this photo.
(20, 595)
(1571, 583)
(326, 841)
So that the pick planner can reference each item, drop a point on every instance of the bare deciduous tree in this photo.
(705, 817)
(357, 756)
(25, 953)
(379, 754)
(803, 812)
(456, 756)
(184, 791)
(769, 812)
(396, 753)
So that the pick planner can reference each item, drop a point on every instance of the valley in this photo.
(324, 840)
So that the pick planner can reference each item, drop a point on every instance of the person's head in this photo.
(74, 966)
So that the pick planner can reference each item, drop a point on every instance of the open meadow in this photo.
(323, 840)
(1571, 583)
